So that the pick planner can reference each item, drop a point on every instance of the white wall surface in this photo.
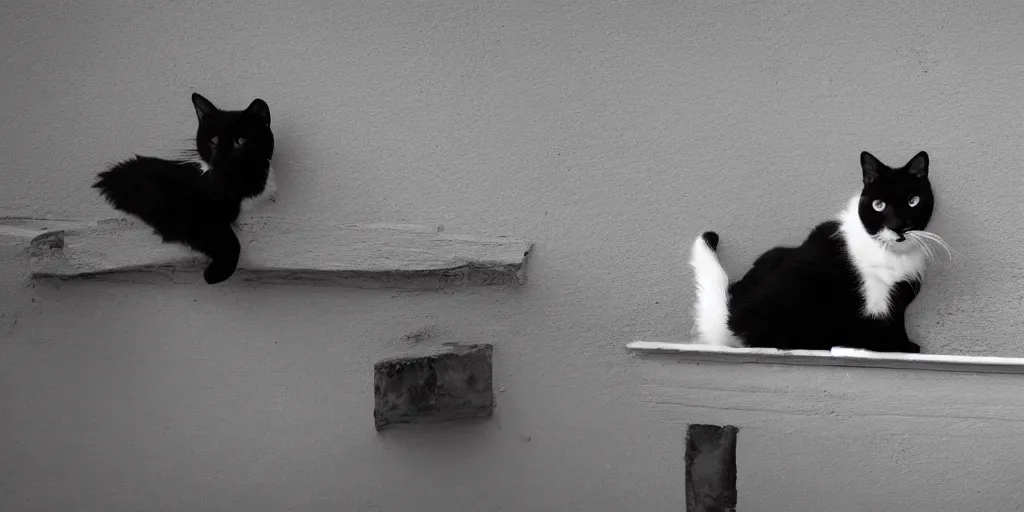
(610, 133)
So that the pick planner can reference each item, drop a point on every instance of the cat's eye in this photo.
(914, 201)
(878, 205)
(239, 141)
(213, 141)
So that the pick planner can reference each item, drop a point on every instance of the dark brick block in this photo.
(710, 468)
(439, 387)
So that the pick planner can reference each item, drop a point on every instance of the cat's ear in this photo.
(918, 166)
(203, 106)
(260, 110)
(871, 167)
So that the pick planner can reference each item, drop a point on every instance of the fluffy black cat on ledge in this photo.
(847, 285)
(197, 202)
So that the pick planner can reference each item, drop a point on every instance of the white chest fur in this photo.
(880, 268)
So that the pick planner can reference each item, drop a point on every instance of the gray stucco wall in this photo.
(609, 133)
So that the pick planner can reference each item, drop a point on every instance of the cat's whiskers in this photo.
(919, 243)
(929, 239)
(930, 244)
(939, 240)
(929, 252)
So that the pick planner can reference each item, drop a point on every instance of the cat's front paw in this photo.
(217, 273)
(911, 348)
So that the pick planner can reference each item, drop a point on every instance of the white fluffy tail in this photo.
(711, 309)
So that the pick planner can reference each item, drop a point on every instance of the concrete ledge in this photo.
(836, 357)
(278, 250)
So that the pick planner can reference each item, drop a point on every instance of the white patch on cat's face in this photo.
(203, 166)
(887, 235)
(893, 244)
(880, 261)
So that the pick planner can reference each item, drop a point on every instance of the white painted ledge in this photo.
(278, 250)
(835, 357)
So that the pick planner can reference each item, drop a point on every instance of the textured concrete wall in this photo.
(608, 132)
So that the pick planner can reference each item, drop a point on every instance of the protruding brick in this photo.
(439, 387)
(711, 468)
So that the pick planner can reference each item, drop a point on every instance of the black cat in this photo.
(197, 202)
(847, 285)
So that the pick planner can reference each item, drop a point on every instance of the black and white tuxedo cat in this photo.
(847, 285)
